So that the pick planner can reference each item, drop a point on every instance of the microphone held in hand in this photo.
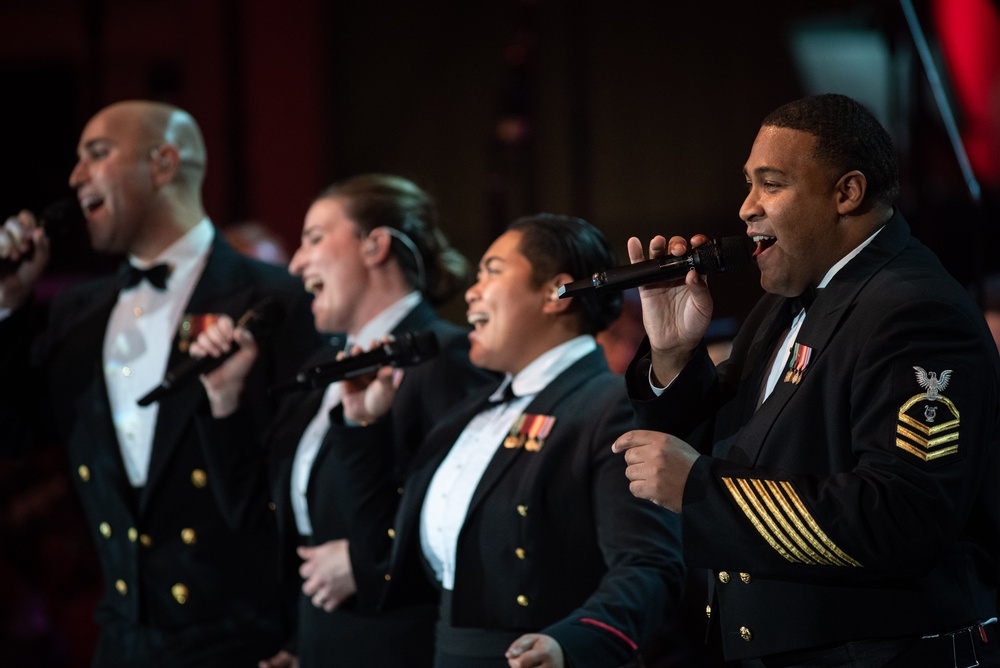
(405, 350)
(713, 257)
(259, 321)
(55, 218)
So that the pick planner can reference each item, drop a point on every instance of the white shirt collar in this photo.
(187, 250)
(847, 258)
(383, 323)
(546, 367)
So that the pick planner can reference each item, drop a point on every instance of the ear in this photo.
(165, 161)
(850, 192)
(375, 248)
(553, 304)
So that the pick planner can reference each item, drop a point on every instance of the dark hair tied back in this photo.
(428, 261)
(556, 244)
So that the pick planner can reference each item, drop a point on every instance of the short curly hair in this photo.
(848, 137)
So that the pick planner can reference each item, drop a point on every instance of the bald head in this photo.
(138, 176)
(156, 124)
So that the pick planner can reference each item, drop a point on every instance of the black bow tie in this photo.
(129, 275)
(505, 397)
(803, 301)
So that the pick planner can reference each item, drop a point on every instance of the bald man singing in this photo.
(190, 578)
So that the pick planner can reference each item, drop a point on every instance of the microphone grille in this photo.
(721, 255)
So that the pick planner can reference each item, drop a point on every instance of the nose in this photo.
(751, 208)
(297, 263)
(77, 176)
(472, 294)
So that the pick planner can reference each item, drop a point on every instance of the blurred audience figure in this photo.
(621, 339)
(254, 239)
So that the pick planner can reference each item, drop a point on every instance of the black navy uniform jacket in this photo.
(553, 541)
(340, 500)
(172, 556)
(861, 499)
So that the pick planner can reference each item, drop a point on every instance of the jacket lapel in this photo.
(823, 322)
(418, 318)
(217, 291)
(544, 403)
(88, 338)
(432, 453)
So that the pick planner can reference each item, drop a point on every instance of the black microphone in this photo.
(259, 321)
(405, 350)
(55, 218)
(713, 257)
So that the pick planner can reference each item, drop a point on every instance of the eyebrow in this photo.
(94, 143)
(761, 172)
(492, 258)
(309, 230)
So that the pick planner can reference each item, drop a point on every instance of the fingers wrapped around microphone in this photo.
(369, 397)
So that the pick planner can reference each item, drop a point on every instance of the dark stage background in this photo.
(635, 114)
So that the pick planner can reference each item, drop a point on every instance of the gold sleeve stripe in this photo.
(801, 525)
(776, 511)
(765, 511)
(757, 524)
(807, 517)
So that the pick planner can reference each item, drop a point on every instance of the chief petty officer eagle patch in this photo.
(927, 424)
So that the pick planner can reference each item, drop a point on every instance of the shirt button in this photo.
(138, 311)
(126, 371)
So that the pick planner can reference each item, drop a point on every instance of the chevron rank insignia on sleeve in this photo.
(927, 424)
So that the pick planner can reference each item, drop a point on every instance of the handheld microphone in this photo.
(406, 350)
(54, 218)
(259, 321)
(713, 257)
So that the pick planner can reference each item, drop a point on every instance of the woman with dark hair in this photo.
(376, 262)
(515, 516)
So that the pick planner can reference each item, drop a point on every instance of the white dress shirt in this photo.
(312, 438)
(781, 360)
(138, 342)
(450, 492)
